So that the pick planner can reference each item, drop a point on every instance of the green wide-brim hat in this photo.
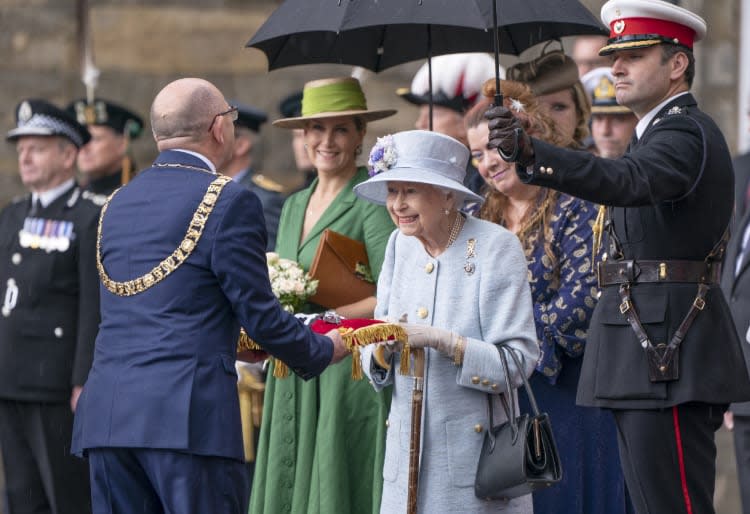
(331, 98)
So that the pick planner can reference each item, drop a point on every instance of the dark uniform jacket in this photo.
(271, 198)
(50, 297)
(164, 371)
(737, 290)
(672, 196)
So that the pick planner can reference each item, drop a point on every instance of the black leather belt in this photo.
(635, 272)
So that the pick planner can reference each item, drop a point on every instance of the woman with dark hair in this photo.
(555, 233)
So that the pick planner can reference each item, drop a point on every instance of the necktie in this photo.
(36, 207)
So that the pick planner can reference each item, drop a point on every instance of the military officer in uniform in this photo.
(662, 350)
(50, 314)
(240, 168)
(105, 162)
(181, 259)
(612, 124)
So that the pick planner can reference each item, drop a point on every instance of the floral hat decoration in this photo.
(417, 156)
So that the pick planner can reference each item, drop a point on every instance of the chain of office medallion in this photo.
(173, 261)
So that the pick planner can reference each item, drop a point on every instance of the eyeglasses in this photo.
(232, 111)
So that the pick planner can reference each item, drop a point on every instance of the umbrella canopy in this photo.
(379, 34)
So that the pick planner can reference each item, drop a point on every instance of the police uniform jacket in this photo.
(736, 286)
(163, 374)
(50, 297)
(672, 196)
(271, 200)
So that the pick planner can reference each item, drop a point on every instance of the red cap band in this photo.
(643, 26)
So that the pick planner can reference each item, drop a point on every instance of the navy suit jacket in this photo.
(163, 374)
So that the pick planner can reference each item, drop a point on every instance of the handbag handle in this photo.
(507, 398)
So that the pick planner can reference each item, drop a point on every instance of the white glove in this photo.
(449, 344)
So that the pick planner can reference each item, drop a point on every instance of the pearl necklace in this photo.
(458, 223)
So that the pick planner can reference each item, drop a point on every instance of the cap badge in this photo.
(24, 112)
(605, 89)
(619, 26)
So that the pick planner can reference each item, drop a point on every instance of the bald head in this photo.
(184, 109)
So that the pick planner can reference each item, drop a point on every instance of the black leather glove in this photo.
(510, 139)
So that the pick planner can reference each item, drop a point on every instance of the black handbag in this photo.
(520, 455)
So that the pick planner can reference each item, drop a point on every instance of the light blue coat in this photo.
(484, 297)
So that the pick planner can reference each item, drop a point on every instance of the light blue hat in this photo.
(417, 156)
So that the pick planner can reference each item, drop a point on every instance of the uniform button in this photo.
(542, 169)
(474, 380)
(429, 267)
(6, 312)
(16, 259)
(478, 428)
(495, 387)
(486, 382)
(422, 312)
(58, 332)
(550, 171)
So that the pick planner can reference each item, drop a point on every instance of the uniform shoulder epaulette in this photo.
(73, 199)
(261, 180)
(95, 198)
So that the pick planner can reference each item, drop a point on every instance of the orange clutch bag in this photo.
(342, 269)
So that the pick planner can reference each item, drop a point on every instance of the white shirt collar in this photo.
(199, 156)
(640, 128)
(49, 196)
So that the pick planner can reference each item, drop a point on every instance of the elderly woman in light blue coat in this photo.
(460, 284)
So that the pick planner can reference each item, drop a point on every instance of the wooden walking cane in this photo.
(416, 430)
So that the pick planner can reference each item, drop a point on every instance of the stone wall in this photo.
(140, 45)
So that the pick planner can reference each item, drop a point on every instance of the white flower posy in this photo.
(383, 155)
(289, 282)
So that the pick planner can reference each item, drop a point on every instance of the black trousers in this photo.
(668, 457)
(41, 475)
(742, 452)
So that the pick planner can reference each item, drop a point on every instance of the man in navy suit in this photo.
(181, 258)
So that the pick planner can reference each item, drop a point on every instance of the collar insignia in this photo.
(675, 110)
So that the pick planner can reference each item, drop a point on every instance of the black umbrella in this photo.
(379, 34)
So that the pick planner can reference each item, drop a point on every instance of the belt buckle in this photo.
(624, 306)
(699, 303)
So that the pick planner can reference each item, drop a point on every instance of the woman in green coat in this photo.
(322, 442)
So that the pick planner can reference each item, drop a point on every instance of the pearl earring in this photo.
(446, 211)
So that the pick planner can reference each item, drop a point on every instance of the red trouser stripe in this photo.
(681, 458)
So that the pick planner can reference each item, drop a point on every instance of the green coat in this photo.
(322, 442)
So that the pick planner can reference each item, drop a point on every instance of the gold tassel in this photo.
(598, 230)
(356, 364)
(405, 359)
(378, 333)
(246, 343)
(280, 370)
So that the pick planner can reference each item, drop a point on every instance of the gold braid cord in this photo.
(173, 261)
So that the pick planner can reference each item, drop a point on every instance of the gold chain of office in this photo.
(171, 262)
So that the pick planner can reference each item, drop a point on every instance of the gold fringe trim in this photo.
(245, 342)
(280, 370)
(405, 360)
(356, 364)
(373, 334)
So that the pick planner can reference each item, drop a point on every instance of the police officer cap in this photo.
(36, 117)
(599, 84)
(112, 115)
(456, 81)
(291, 106)
(643, 23)
(249, 117)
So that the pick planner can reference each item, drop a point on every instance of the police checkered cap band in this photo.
(44, 125)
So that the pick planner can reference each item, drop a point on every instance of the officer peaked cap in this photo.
(36, 117)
